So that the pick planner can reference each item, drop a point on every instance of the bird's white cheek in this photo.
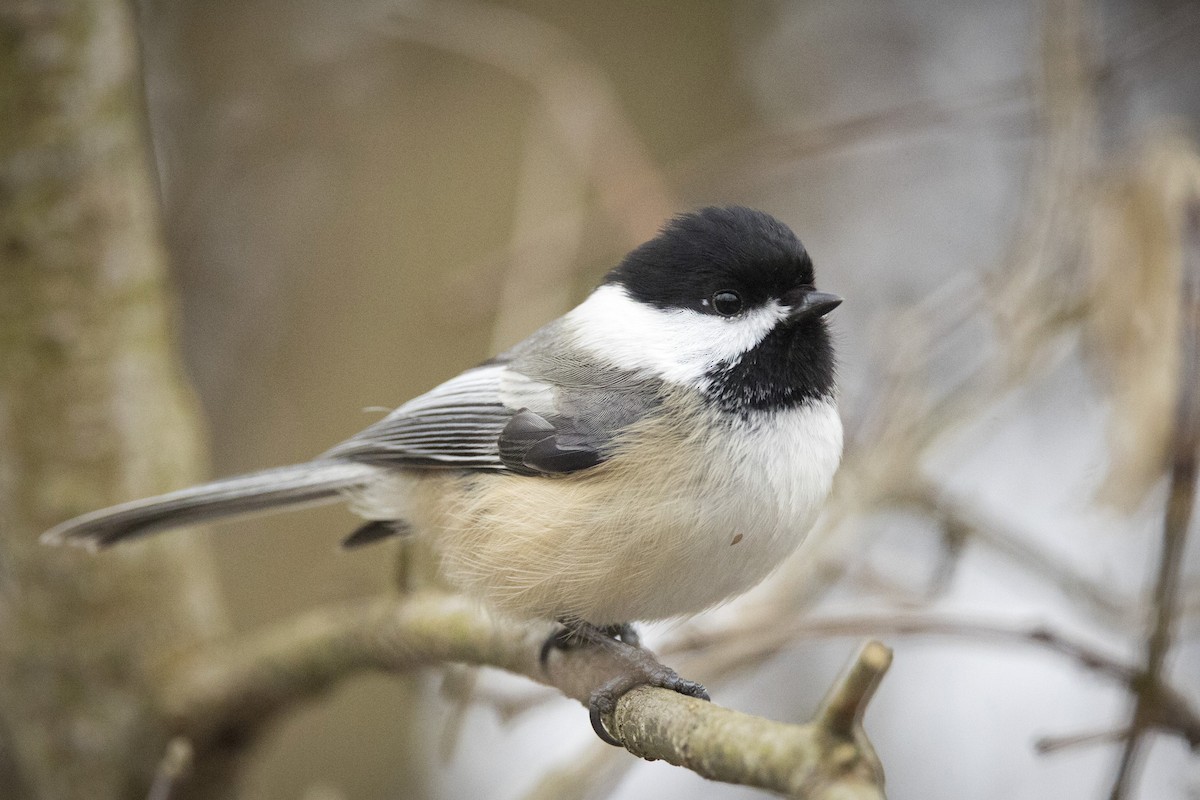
(678, 345)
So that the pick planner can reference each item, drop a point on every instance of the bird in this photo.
(654, 452)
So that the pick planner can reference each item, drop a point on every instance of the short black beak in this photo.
(810, 304)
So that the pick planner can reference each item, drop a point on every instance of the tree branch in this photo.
(238, 686)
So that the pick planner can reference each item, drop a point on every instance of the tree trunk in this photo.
(93, 410)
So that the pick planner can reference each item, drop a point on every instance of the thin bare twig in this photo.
(1003, 537)
(589, 774)
(740, 163)
(725, 651)
(1052, 744)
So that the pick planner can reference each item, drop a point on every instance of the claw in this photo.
(604, 700)
(602, 703)
(561, 639)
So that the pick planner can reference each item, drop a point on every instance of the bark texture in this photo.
(92, 410)
(244, 683)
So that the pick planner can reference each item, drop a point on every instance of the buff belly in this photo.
(655, 532)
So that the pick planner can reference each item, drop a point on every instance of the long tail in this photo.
(301, 484)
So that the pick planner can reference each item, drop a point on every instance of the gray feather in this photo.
(472, 421)
(455, 426)
(300, 484)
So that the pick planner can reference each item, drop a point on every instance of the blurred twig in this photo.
(1178, 24)
(458, 689)
(1052, 744)
(1036, 291)
(735, 165)
(1002, 536)
(578, 139)
(592, 773)
(725, 651)
(576, 95)
(176, 762)
(1149, 698)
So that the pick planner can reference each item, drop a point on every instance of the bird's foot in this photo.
(644, 669)
(647, 672)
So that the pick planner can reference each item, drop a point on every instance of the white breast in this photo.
(765, 485)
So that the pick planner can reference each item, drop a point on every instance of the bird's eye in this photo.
(727, 303)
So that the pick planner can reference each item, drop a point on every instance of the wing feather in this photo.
(524, 414)
(455, 425)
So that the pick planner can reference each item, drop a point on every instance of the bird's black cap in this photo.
(711, 250)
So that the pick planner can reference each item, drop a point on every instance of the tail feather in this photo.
(301, 484)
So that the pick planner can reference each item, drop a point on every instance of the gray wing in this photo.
(455, 425)
(529, 412)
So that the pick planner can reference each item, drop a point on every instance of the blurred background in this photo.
(363, 198)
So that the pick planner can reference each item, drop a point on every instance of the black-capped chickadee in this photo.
(655, 451)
